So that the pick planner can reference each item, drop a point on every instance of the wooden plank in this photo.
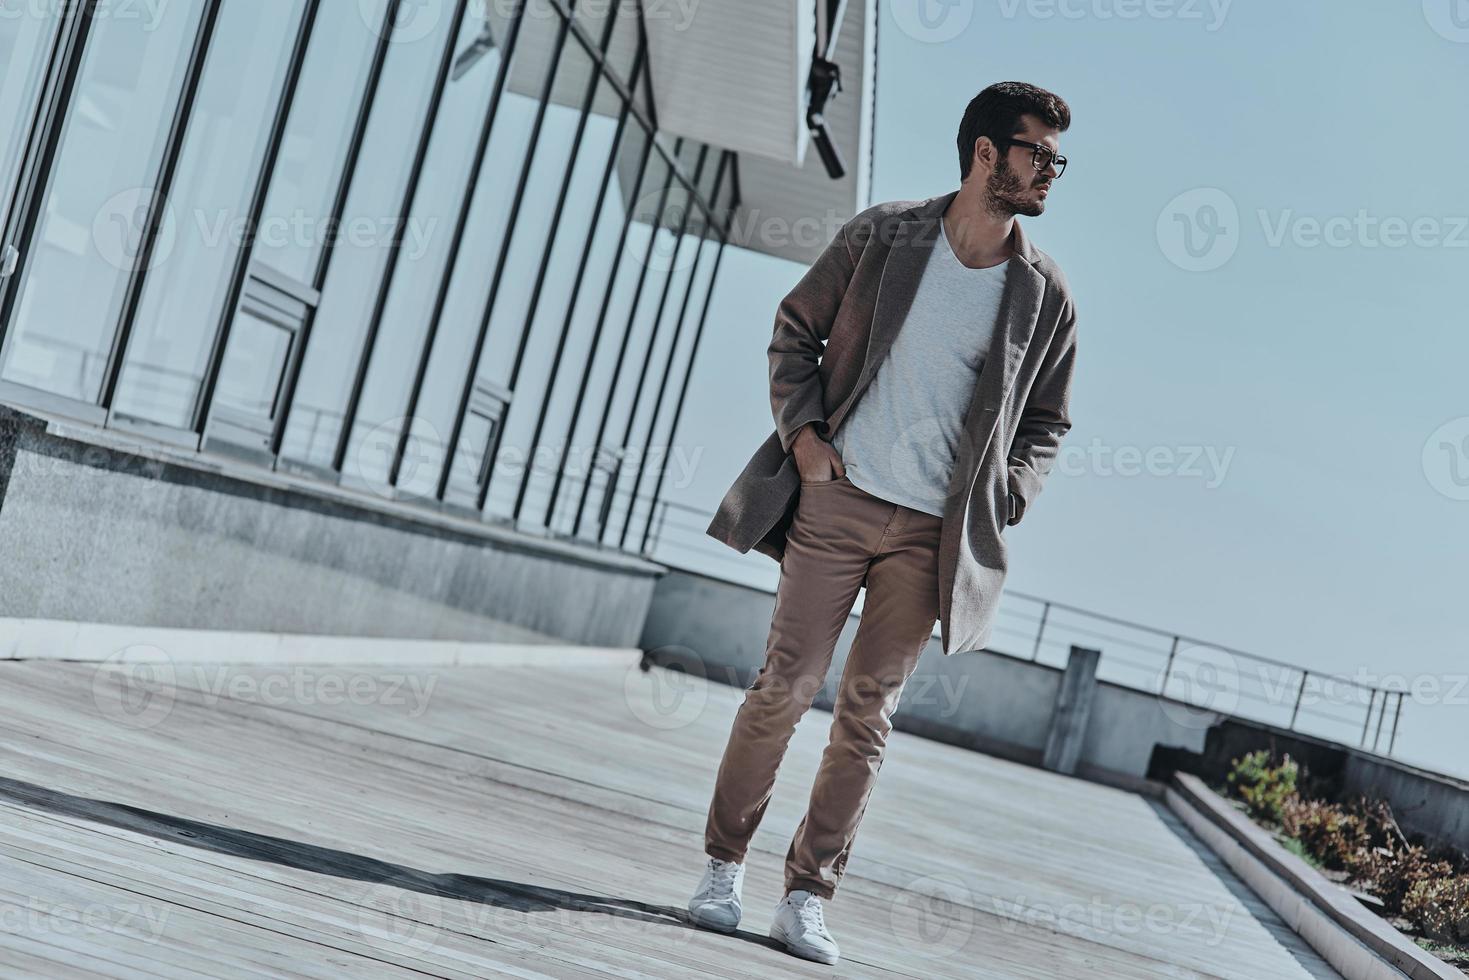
(545, 822)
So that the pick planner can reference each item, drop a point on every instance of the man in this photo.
(939, 436)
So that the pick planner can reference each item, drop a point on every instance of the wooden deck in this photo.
(547, 822)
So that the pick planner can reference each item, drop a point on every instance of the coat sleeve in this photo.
(1045, 419)
(803, 321)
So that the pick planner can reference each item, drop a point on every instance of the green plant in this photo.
(1440, 908)
(1264, 787)
(1294, 845)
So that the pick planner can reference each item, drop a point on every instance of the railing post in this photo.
(1168, 669)
(1392, 738)
(1300, 693)
(1382, 712)
(657, 529)
(1040, 630)
(1367, 722)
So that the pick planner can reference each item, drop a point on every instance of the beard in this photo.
(1005, 193)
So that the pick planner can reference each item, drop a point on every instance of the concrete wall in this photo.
(982, 700)
(1003, 705)
(94, 528)
(1426, 803)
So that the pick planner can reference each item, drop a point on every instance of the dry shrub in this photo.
(1440, 907)
(1332, 834)
(1391, 873)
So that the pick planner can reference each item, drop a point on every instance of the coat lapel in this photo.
(897, 285)
(1020, 310)
(913, 243)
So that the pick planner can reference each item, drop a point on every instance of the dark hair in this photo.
(996, 113)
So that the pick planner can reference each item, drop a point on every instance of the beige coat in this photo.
(854, 299)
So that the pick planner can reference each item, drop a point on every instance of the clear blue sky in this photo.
(1315, 348)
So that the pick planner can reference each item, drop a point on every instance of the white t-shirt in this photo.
(900, 440)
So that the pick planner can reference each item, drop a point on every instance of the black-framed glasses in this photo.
(1042, 156)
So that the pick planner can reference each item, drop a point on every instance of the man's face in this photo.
(1015, 186)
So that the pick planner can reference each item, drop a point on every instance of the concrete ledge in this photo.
(1354, 940)
(97, 526)
(48, 639)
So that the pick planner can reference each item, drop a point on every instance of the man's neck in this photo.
(978, 236)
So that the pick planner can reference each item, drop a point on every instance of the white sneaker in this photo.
(716, 905)
(799, 925)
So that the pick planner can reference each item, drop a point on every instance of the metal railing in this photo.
(1184, 670)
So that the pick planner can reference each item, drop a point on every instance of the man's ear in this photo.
(984, 153)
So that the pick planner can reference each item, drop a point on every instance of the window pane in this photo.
(669, 274)
(489, 216)
(648, 224)
(89, 233)
(293, 226)
(251, 375)
(25, 49)
(527, 249)
(537, 382)
(613, 365)
(224, 147)
(422, 258)
(369, 225)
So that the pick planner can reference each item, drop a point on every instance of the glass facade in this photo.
(430, 249)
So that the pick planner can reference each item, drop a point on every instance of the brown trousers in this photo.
(840, 538)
